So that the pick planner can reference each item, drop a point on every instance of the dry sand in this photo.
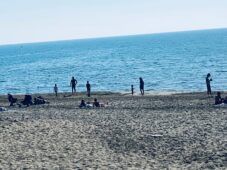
(176, 131)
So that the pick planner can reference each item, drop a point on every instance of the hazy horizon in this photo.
(25, 21)
(114, 36)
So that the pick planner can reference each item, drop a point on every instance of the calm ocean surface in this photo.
(169, 62)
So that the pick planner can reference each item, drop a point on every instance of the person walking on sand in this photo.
(141, 86)
(56, 90)
(73, 84)
(88, 86)
(208, 80)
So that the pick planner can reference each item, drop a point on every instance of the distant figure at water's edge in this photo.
(56, 90)
(73, 84)
(141, 86)
(208, 80)
(132, 90)
(88, 86)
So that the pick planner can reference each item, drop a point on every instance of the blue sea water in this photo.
(168, 62)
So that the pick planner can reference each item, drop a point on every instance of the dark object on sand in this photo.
(39, 100)
(88, 86)
(218, 99)
(56, 90)
(96, 103)
(225, 100)
(141, 86)
(208, 80)
(73, 84)
(132, 89)
(82, 104)
(11, 99)
(27, 100)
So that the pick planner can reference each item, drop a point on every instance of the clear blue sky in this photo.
(47, 20)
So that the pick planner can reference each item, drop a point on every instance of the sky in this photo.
(24, 21)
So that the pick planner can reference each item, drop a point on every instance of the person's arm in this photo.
(76, 82)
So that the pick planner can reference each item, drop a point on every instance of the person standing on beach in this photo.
(88, 86)
(208, 80)
(132, 89)
(73, 84)
(56, 90)
(141, 86)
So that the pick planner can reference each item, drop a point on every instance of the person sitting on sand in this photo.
(82, 104)
(218, 99)
(27, 100)
(39, 100)
(96, 103)
(11, 99)
(225, 100)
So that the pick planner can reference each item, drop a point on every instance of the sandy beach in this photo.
(176, 131)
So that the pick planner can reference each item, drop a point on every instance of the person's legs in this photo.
(208, 90)
(89, 93)
(73, 89)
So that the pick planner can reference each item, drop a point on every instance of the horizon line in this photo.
(114, 36)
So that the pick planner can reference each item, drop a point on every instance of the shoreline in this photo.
(147, 93)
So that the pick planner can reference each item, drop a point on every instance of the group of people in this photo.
(39, 100)
(84, 104)
(218, 99)
(73, 84)
(27, 101)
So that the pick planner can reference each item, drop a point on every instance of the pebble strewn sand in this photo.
(151, 132)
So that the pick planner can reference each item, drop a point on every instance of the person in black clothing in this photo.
(27, 100)
(39, 100)
(132, 89)
(56, 90)
(225, 100)
(218, 99)
(88, 86)
(11, 99)
(208, 80)
(73, 84)
(141, 86)
(96, 103)
(82, 104)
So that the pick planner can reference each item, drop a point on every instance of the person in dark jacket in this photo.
(11, 99)
(208, 80)
(88, 86)
(73, 84)
(141, 86)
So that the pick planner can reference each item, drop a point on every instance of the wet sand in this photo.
(176, 131)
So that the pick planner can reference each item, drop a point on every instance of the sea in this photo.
(167, 62)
